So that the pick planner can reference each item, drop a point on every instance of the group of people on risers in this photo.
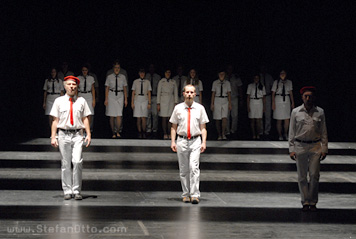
(153, 97)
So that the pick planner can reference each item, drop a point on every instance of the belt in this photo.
(255, 98)
(71, 131)
(116, 90)
(85, 92)
(153, 95)
(141, 94)
(308, 142)
(222, 96)
(53, 93)
(186, 137)
(282, 95)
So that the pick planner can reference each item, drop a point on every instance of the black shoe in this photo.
(305, 208)
(313, 208)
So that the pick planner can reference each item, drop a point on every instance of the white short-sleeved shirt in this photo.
(235, 83)
(61, 110)
(122, 71)
(154, 80)
(198, 87)
(136, 86)
(58, 86)
(167, 88)
(251, 89)
(180, 117)
(89, 82)
(111, 81)
(217, 87)
(287, 85)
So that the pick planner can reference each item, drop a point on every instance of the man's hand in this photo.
(88, 140)
(174, 146)
(202, 147)
(54, 142)
(293, 156)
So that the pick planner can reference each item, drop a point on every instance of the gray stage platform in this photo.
(131, 189)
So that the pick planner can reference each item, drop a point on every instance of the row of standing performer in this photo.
(308, 142)
(153, 96)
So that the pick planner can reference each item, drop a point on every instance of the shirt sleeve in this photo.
(292, 132)
(323, 134)
(228, 86)
(134, 85)
(45, 85)
(274, 86)
(200, 85)
(239, 82)
(174, 118)
(248, 92)
(213, 87)
(264, 90)
(149, 86)
(86, 110)
(107, 81)
(55, 109)
(203, 116)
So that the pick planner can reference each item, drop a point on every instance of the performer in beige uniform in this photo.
(189, 123)
(141, 102)
(71, 117)
(167, 98)
(308, 145)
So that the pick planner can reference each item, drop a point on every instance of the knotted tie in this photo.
(221, 89)
(284, 92)
(85, 83)
(256, 92)
(116, 85)
(71, 111)
(141, 87)
(188, 130)
(53, 86)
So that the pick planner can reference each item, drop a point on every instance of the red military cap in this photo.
(307, 88)
(72, 78)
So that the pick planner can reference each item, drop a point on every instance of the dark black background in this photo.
(313, 40)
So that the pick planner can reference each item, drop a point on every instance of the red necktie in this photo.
(188, 133)
(71, 110)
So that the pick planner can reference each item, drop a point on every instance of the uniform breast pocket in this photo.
(63, 112)
(316, 121)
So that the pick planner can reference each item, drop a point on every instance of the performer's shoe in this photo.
(313, 208)
(224, 137)
(78, 196)
(186, 199)
(195, 200)
(67, 196)
(305, 208)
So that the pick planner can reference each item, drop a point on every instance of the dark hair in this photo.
(50, 74)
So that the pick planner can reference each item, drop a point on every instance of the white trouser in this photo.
(152, 124)
(188, 152)
(70, 147)
(308, 157)
(268, 114)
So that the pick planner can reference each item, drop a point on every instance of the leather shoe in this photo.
(305, 208)
(195, 200)
(313, 208)
(67, 196)
(78, 196)
(186, 199)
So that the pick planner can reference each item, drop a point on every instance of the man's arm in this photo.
(87, 130)
(291, 137)
(204, 134)
(229, 98)
(54, 141)
(173, 137)
(212, 100)
(125, 95)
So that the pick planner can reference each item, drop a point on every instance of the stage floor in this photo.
(131, 189)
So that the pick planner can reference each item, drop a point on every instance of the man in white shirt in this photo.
(189, 123)
(308, 145)
(71, 117)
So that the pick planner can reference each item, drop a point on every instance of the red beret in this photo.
(307, 88)
(72, 78)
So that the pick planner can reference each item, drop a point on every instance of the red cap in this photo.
(72, 78)
(307, 88)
